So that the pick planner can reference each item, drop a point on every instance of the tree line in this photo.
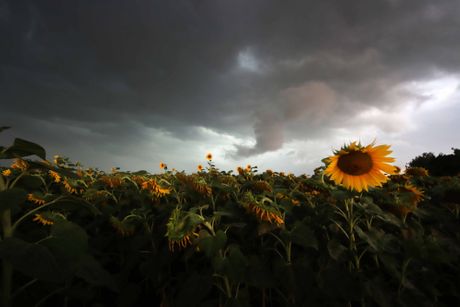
(439, 165)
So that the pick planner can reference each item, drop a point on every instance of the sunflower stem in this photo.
(16, 224)
(352, 221)
(22, 288)
(7, 273)
(288, 252)
(17, 179)
(3, 184)
(228, 289)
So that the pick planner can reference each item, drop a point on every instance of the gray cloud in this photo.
(92, 72)
(313, 102)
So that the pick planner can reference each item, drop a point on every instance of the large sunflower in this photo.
(359, 167)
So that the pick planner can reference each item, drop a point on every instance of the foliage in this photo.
(440, 165)
(82, 237)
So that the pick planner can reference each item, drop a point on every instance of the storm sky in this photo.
(273, 83)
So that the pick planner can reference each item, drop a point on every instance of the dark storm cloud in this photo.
(285, 70)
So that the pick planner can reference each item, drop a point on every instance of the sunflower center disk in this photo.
(355, 163)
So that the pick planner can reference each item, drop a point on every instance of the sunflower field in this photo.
(355, 233)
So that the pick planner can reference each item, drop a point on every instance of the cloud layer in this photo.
(263, 75)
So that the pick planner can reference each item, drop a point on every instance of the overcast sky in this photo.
(273, 83)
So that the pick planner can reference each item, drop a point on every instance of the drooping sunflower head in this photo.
(414, 195)
(20, 164)
(39, 218)
(112, 181)
(123, 227)
(359, 167)
(417, 172)
(56, 177)
(57, 159)
(36, 199)
(263, 209)
(6, 172)
(71, 186)
(408, 198)
(48, 217)
(155, 189)
(181, 228)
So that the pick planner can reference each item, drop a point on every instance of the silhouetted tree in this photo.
(440, 165)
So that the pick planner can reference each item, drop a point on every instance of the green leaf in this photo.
(68, 240)
(236, 302)
(33, 260)
(304, 236)
(31, 182)
(206, 245)
(23, 148)
(92, 272)
(260, 274)
(211, 245)
(11, 198)
(337, 282)
(391, 264)
(74, 204)
(223, 213)
(379, 291)
(129, 295)
(237, 264)
(193, 290)
(335, 249)
(220, 239)
(370, 239)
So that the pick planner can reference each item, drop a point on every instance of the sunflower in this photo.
(20, 164)
(265, 214)
(261, 186)
(200, 167)
(163, 166)
(181, 228)
(416, 194)
(70, 187)
(6, 172)
(57, 159)
(209, 156)
(35, 199)
(196, 183)
(39, 218)
(55, 176)
(122, 228)
(156, 189)
(417, 172)
(112, 181)
(360, 167)
(409, 197)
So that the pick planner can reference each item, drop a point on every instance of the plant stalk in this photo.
(7, 273)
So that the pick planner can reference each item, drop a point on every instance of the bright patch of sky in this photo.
(247, 61)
